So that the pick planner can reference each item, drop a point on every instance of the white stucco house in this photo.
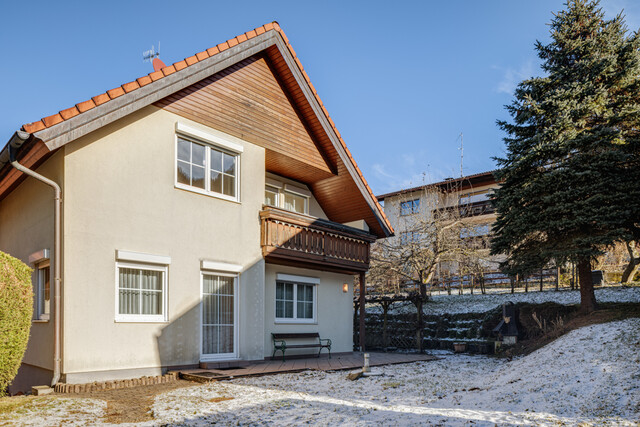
(201, 208)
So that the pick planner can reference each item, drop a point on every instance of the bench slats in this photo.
(279, 342)
(295, 336)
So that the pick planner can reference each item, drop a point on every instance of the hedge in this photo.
(16, 310)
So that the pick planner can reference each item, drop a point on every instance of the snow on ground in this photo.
(47, 411)
(478, 303)
(590, 376)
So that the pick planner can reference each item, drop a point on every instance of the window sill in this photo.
(39, 320)
(296, 321)
(205, 193)
(222, 358)
(141, 320)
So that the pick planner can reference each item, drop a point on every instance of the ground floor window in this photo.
(142, 293)
(295, 301)
(43, 291)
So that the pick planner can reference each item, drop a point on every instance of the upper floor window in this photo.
(408, 237)
(207, 164)
(285, 196)
(474, 197)
(475, 230)
(410, 207)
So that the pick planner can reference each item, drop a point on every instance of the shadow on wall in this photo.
(220, 305)
(178, 342)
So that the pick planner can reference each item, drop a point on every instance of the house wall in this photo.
(120, 195)
(334, 309)
(26, 226)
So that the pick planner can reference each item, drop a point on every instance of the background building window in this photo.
(410, 207)
(409, 237)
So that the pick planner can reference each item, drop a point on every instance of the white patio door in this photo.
(219, 316)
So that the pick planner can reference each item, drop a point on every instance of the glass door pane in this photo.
(218, 315)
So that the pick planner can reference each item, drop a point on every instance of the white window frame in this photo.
(213, 271)
(297, 280)
(282, 189)
(41, 260)
(40, 291)
(210, 142)
(413, 209)
(142, 318)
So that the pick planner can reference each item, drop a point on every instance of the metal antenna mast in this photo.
(149, 55)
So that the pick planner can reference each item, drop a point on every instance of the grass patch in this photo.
(11, 407)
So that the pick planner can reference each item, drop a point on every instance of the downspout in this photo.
(16, 141)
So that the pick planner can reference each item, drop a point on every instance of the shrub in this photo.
(16, 310)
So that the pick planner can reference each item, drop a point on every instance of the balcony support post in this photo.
(362, 310)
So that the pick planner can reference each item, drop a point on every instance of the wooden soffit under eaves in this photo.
(259, 100)
(246, 101)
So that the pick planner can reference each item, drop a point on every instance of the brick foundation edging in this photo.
(115, 384)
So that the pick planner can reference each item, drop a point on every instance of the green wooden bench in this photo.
(280, 342)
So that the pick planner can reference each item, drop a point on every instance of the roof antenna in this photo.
(152, 56)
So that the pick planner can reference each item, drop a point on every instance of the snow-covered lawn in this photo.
(478, 303)
(591, 375)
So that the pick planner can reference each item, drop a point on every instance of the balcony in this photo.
(300, 240)
(483, 207)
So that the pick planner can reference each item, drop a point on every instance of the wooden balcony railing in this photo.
(291, 238)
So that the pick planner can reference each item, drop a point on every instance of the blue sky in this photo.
(401, 80)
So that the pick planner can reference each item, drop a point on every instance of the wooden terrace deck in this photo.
(337, 362)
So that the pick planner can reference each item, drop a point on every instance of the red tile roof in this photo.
(109, 95)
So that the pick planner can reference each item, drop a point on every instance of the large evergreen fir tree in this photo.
(571, 175)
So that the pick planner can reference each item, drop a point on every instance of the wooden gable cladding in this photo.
(247, 101)
(260, 101)
(339, 196)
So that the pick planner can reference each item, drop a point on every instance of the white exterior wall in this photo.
(121, 196)
(334, 310)
(26, 226)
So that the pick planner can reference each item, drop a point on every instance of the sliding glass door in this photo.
(219, 317)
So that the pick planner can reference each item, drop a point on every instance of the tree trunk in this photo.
(419, 324)
(632, 267)
(541, 278)
(587, 295)
(385, 312)
(513, 285)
